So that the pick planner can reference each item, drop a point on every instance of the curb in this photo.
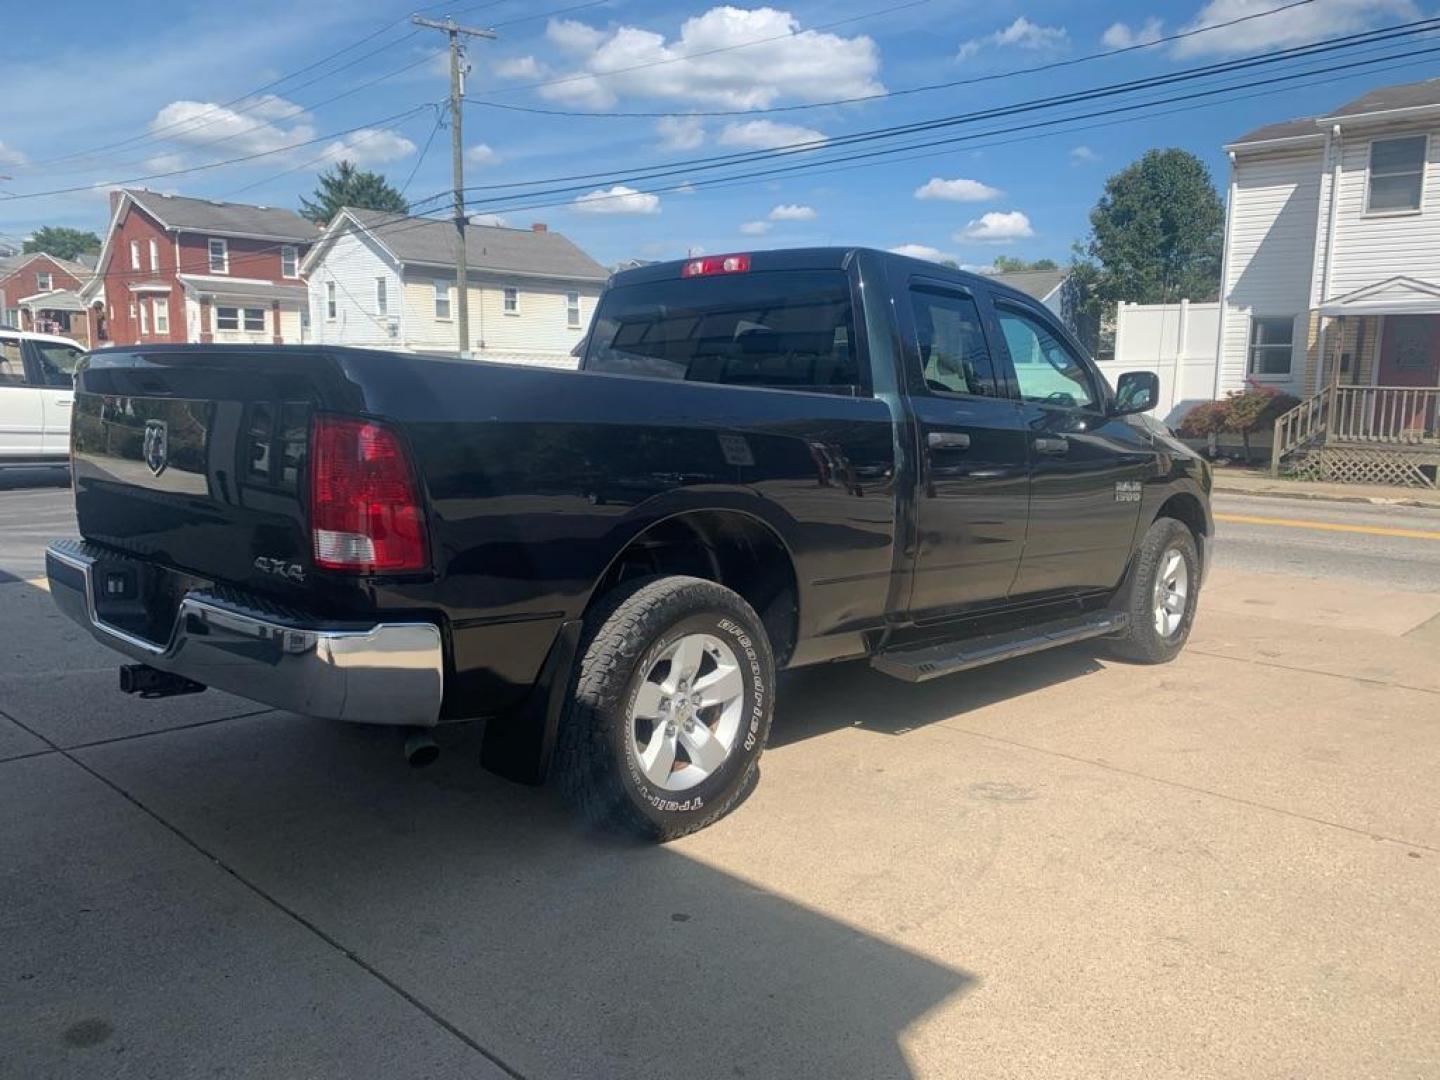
(1315, 496)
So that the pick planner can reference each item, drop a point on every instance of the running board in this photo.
(948, 657)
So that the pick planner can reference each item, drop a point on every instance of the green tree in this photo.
(1009, 264)
(62, 242)
(345, 185)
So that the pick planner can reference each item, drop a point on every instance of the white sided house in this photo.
(1331, 283)
(380, 280)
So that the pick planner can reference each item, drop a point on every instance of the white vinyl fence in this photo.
(1176, 341)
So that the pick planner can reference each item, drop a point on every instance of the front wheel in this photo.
(671, 708)
(1159, 594)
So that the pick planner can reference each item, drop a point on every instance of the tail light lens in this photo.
(716, 264)
(365, 510)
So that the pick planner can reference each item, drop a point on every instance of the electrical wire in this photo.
(439, 120)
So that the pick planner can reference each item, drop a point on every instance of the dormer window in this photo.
(1397, 174)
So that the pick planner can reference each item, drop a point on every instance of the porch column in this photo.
(277, 337)
(206, 337)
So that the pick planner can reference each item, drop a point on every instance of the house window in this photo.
(219, 257)
(254, 320)
(132, 312)
(442, 299)
(162, 315)
(134, 254)
(1397, 174)
(512, 301)
(289, 262)
(1270, 341)
(154, 258)
(144, 318)
(43, 281)
(382, 306)
(572, 309)
(330, 301)
(227, 318)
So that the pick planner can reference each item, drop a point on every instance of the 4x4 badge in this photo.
(157, 445)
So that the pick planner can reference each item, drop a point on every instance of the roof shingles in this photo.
(232, 219)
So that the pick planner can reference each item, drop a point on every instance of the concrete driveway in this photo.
(1059, 867)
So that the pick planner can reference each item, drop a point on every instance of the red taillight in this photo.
(365, 512)
(716, 264)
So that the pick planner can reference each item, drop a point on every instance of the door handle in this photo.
(63, 401)
(1052, 446)
(947, 440)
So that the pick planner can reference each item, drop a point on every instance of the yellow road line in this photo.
(1329, 526)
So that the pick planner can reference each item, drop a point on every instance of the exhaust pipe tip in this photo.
(421, 749)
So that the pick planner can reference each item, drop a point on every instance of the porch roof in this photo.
(55, 300)
(242, 289)
(1394, 296)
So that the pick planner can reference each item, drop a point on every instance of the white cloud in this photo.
(792, 212)
(1022, 34)
(767, 134)
(685, 188)
(10, 156)
(957, 190)
(168, 162)
(1083, 155)
(370, 146)
(923, 251)
(574, 36)
(1121, 36)
(755, 228)
(617, 199)
(481, 154)
(519, 67)
(1293, 26)
(997, 227)
(252, 131)
(486, 219)
(779, 60)
(680, 132)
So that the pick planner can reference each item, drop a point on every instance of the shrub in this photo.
(1206, 419)
(1240, 412)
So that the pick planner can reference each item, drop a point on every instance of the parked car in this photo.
(766, 461)
(36, 372)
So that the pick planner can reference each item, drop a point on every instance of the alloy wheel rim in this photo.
(1172, 590)
(685, 717)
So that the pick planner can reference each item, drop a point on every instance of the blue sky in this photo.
(161, 78)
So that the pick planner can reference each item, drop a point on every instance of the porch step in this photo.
(949, 657)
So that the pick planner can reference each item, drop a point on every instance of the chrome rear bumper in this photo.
(386, 673)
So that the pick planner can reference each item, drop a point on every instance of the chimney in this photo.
(539, 226)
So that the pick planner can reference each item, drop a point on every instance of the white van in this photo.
(36, 376)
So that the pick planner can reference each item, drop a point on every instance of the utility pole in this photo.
(457, 163)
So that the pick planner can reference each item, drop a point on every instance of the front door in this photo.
(1088, 467)
(1410, 356)
(973, 498)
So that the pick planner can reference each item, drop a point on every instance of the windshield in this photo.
(790, 329)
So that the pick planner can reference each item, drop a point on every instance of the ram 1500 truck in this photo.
(764, 461)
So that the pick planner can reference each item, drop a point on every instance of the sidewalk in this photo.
(1258, 482)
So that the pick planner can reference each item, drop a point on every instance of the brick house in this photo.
(199, 270)
(26, 279)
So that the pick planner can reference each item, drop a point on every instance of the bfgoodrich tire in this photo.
(1159, 594)
(671, 708)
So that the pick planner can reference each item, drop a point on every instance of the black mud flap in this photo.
(519, 747)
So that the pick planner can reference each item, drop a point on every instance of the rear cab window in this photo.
(782, 329)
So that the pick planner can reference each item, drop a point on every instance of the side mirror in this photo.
(1136, 392)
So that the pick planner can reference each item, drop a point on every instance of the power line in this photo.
(216, 164)
(950, 84)
(644, 173)
(439, 119)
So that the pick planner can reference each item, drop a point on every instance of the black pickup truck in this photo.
(766, 460)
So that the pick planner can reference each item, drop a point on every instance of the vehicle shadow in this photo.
(562, 952)
(851, 694)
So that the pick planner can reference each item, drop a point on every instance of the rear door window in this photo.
(954, 358)
(792, 330)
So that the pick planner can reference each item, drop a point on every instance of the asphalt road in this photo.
(1060, 867)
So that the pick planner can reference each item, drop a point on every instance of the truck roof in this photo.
(817, 258)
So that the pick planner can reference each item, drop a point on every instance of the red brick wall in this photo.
(21, 282)
(248, 259)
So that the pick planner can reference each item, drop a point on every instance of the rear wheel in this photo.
(671, 708)
(1159, 594)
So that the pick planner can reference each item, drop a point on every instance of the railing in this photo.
(1396, 415)
(1379, 415)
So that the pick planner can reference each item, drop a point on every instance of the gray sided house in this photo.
(382, 280)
